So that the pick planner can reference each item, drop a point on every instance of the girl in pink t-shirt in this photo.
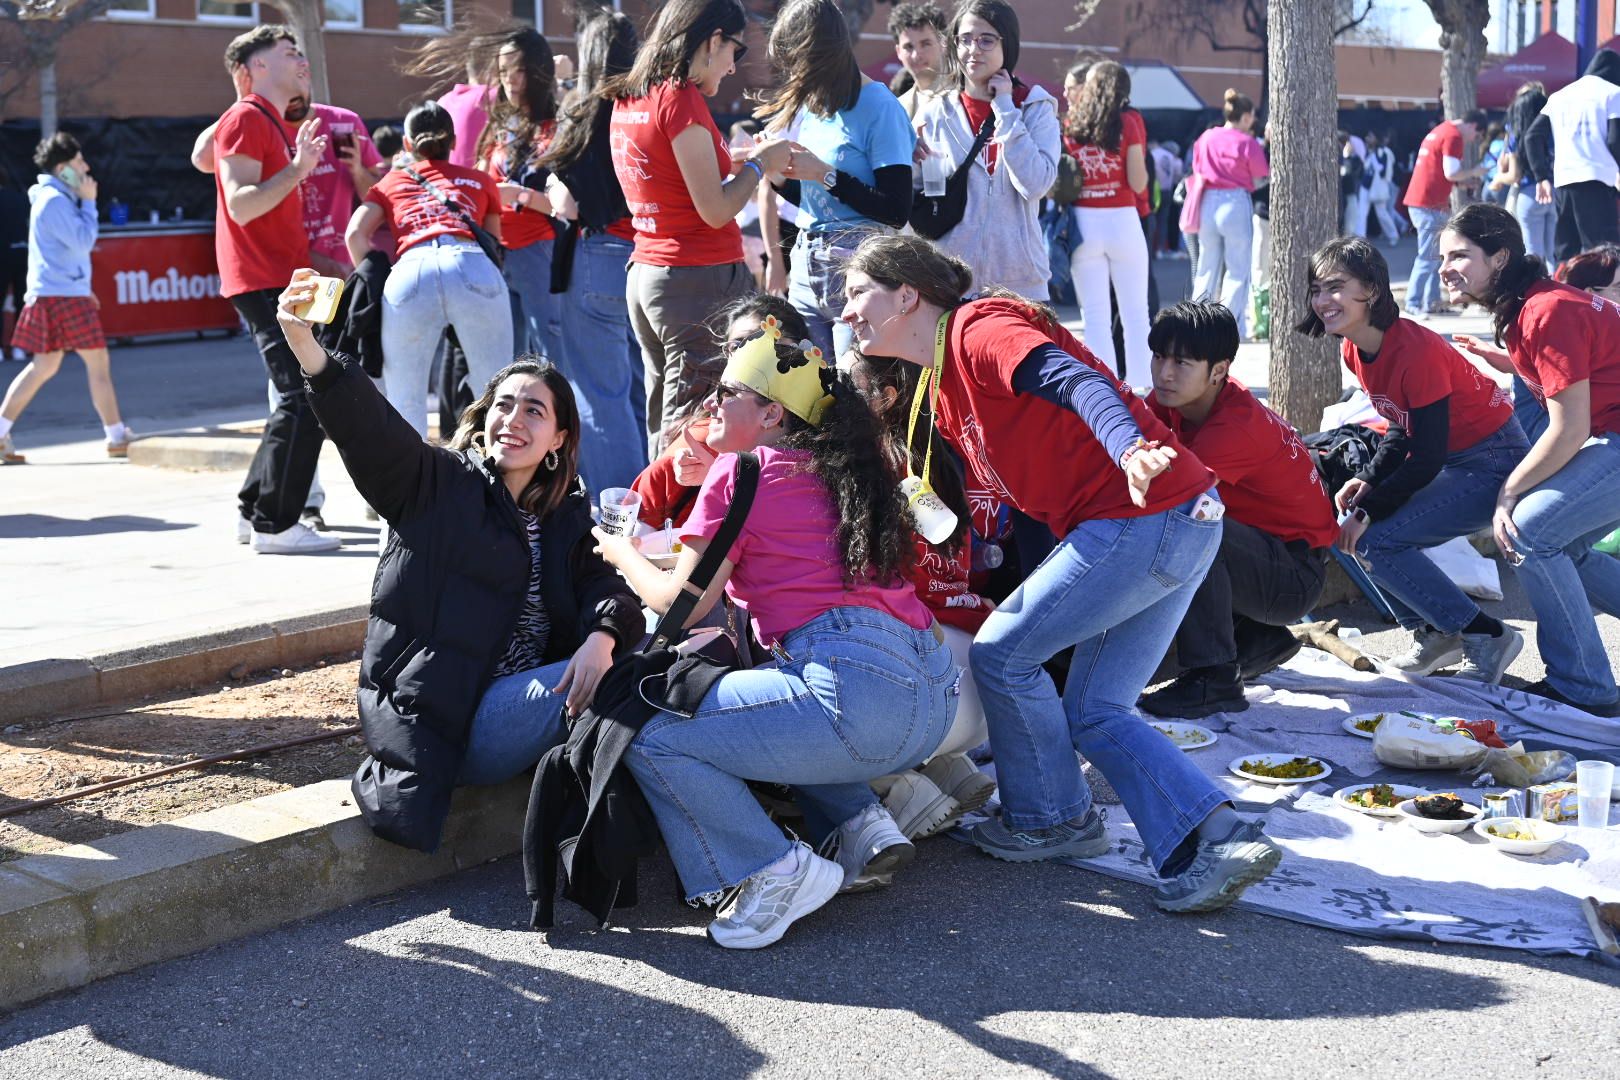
(860, 687)
(1229, 162)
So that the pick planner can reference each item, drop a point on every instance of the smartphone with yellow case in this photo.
(323, 307)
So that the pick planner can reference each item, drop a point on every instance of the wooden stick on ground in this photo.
(1325, 636)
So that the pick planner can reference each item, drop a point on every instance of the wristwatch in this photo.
(829, 179)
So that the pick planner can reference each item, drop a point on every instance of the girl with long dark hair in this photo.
(1452, 440)
(851, 170)
(1000, 235)
(600, 355)
(1108, 140)
(491, 614)
(1536, 219)
(860, 687)
(1565, 495)
(684, 192)
(1139, 524)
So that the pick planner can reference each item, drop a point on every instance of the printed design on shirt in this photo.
(1499, 394)
(1390, 411)
(1295, 445)
(1097, 163)
(421, 210)
(986, 512)
(628, 158)
(978, 459)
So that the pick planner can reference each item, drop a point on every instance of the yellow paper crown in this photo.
(795, 384)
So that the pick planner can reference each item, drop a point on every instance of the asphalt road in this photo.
(964, 968)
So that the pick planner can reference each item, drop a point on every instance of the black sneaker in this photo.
(1265, 649)
(1543, 688)
(1198, 693)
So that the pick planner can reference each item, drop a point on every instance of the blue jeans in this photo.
(1536, 221)
(1115, 589)
(859, 696)
(1530, 413)
(441, 282)
(1566, 580)
(535, 308)
(1423, 287)
(602, 361)
(517, 721)
(1458, 501)
(816, 285)
(1225, 245)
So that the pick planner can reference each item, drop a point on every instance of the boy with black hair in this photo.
(1279, 521)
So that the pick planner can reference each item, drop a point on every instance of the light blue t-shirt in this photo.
(874, 134)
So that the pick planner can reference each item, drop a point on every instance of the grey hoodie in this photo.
(1000, 234)
(61, 231)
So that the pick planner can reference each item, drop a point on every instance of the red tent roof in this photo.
(1549, 60)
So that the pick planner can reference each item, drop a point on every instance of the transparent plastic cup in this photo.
(935, 171)
(620, 509)
(1593, 779)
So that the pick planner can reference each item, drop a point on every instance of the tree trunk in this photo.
(1304, 202)
(308, 26)
(1464, 45)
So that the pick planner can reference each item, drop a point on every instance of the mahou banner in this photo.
(162, 282)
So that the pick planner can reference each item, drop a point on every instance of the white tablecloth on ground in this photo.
(1378, 876)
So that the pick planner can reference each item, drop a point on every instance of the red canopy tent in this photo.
(1549, 60)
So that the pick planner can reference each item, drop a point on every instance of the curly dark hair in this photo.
(1098, 119)
(849, 455)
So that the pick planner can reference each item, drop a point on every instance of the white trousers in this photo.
(1113, 251)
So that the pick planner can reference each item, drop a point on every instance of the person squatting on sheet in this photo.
(491, 613)
(1140, 524)
(1272, 561)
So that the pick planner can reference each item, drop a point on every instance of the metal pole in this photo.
(1585, 34)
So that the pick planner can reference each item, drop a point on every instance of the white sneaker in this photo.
(919, 807)
(1429, 651)
(244, 530)
(300, 539)
(870, 848)
(958, 777)
(762, 908)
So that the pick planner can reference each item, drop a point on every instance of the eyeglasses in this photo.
(985, 42)
(742, 50)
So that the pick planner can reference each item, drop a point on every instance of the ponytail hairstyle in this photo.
(1493, 229)
(887, 372)
(549, 487)
(1237, 106)
(1355, 257)
(1104, 96)
(678, 32)
(607, 48)
(431, 131)
(811, 50)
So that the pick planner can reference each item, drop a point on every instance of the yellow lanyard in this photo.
(928, 386)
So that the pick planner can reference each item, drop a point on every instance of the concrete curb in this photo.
(82, 913)
(47, 686)
(224, 448)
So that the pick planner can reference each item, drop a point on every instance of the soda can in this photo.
(1497, 806)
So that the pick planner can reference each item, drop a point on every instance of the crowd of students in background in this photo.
(1119, 505)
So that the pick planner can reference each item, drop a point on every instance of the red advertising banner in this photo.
(162, 281)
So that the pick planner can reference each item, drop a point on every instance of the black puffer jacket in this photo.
(447, 595)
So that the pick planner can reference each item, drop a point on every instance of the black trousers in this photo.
(277, 484)
(1588, 215)
(1255, 578)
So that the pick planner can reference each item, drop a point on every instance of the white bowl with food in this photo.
(1466, 814)
(1376, 800)
(1519, 836)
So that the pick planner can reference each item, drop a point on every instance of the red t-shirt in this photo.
(942, 584)
(1030, 453)
(415, 214)
(1563, 335)
(263, 253)
(978, 114)
(1104, 183)
(1429, 188)
(1417, 367)
(669, 230)
(1266, 476)
(520, 228)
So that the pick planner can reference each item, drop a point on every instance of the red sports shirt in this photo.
(1266, 476)
(263, 253)
(1417, 367)
(669, 230)
(1030, 453)
(1104, 170)
(520, 228)
(416, 214)
(1429, 188)
(1563, 335)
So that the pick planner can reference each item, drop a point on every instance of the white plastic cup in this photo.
(620, 509)
(933, 519)
(1593, 779)
(934, 173)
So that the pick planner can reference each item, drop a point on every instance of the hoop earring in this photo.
(551, 460)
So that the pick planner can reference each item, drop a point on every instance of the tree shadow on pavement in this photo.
(48, 526)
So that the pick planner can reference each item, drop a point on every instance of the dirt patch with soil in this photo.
(49, 756)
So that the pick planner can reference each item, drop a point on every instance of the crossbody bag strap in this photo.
(444, 200)
(986, 129)
(292, 151)
(672, 627)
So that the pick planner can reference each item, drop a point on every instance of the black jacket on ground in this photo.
(357, 329)
(448, 592)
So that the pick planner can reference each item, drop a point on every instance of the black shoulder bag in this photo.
(933, 216)
(486, 242)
